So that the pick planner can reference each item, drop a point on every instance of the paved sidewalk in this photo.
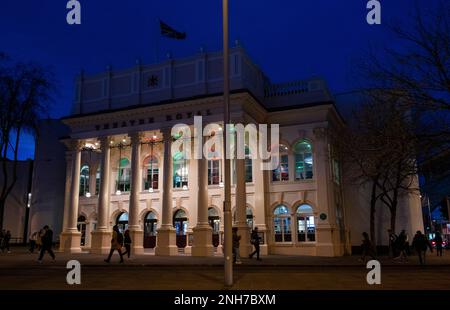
(20, 257)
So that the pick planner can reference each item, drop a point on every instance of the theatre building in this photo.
(119, 169)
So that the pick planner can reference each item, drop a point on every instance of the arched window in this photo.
(214, 220)
(124, 174)
(84, 181)
(97, 181)
(180, 171)
(282, 224)
(303, 160)
(281, 173)
(152, 173)
(306, 228)
(248, 165)
(150, 226)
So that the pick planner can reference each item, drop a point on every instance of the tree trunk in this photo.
(2, 212)
(373, 201)
(393, 216)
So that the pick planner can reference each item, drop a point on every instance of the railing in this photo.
(283, 89)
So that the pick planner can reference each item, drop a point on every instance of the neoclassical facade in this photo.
(120, 169)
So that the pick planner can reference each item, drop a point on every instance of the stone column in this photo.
(67, 189)
(202, 232)
(260, 181)
(136, 232)
(241, 208)
(70, 238)
(101, 237)
(166, 237)
(326, 230)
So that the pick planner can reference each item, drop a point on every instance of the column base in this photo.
(166, 242)
(137, 242)
(202, 241)
(245, 247)
(101, 242)
(70, 242)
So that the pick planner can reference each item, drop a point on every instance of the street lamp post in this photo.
(228, 265)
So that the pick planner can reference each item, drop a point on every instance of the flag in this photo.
(169, 32)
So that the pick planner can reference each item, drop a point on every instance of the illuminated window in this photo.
(124, 175)
(306, 228)
(97, 181)
(282, 224)
(152, 173)
(84, 181)
(248, 166)
(281, 173)
(180, 171)
(303, 160)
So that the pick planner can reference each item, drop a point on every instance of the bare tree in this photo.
(377, 149)
(25, 90)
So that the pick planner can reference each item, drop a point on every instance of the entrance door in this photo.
(122, 221)
(81, 225)
(180, 222)
(150, 223)
(214, 222)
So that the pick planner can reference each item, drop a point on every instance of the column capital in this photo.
(136, 137)
(75, 145)
(320, 132)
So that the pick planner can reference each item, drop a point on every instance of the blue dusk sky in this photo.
(287, 39)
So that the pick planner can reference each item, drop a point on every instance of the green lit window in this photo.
(303, 160)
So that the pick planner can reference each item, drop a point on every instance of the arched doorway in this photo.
(150, 223)
(122, 221)
(214, 222)
(180, 222)
(81, 225)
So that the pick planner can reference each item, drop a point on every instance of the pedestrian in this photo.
(47, 243)
(392, 243)
(367, 248)
(39, 236)
(2, 235)
(33, 237)
(6, 239)
(420, 244)
(401, 246)
(255, 240)
(438, 242)
(116, 244)
(236, 241)
(127, 243)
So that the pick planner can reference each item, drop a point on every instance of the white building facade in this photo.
(119, 170)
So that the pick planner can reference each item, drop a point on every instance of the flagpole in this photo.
(228, 265)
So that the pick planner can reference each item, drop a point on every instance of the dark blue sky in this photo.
(288, 39)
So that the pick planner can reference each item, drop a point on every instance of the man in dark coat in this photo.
(255, 239)
(420, 244)
(47, 243)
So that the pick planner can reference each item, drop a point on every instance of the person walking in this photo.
(438, 242)
(116, 244)
(255, 240)
(32, 242)
(401, 246)
(367, 248)
(6, 239)
(127, 243)
(420, 244)
(236, 241)
(392, 242)
(47, 243)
